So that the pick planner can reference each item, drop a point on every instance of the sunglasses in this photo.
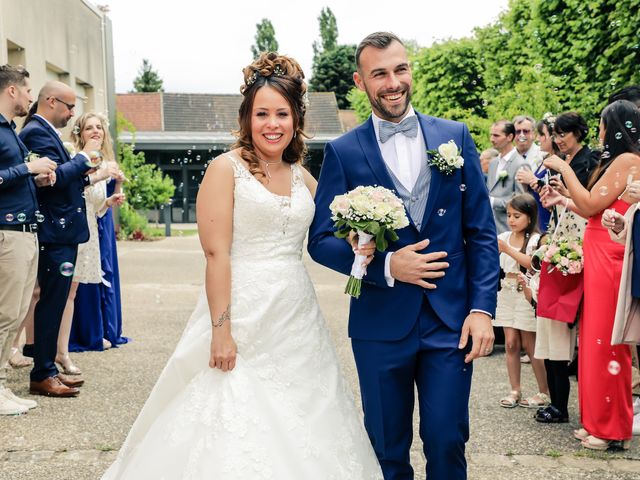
(70, 106)
(523, 131)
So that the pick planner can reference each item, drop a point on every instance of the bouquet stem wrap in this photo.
(358, 268)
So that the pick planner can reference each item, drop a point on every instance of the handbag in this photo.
(559, 295)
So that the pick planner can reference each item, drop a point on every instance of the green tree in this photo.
(148, 79)
(333, 72)
(147, 187)
(359, 102)
(265, 38)
(328, 32)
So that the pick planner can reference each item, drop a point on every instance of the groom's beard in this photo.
(396, 111)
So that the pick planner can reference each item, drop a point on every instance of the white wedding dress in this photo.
(285, 411)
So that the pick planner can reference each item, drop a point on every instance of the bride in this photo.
(253, 389)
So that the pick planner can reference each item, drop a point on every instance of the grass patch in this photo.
(510, 453)
(553, 453)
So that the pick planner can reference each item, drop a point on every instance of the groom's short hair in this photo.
(379, 40)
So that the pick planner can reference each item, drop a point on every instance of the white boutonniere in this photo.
(71, 150)
(447, 158)
(31, 156)
(502, 176)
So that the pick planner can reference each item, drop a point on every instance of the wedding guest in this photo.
(63, 228)
(524, 139)
(570, 131)
(556, 340)
(536, 178)
(514, 313)
(604, 369)
(97, 315)
(501, 179)
(18, 222)
(485, 159)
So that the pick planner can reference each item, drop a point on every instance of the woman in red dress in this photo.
(604, 370)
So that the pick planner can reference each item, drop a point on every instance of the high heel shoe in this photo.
(106, 344)
(68, 368)
(580, 434)
(595, 443)
(17, 360)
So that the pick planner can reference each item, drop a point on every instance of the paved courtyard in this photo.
(76, 439)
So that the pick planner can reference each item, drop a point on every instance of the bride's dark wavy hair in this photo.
(283, 74)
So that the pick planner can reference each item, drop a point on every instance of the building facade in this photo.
(65, 40)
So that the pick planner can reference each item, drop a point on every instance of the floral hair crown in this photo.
(277, 71)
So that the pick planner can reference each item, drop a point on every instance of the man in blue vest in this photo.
(18, 221)
(437, 286)
(64, 226)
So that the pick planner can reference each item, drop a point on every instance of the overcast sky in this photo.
(201, 46)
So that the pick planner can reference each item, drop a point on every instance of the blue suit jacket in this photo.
(466, 231)
(63, 207)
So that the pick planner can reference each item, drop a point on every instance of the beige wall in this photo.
(67, 40)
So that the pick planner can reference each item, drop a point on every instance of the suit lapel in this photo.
(367, 138)
(431, 140)
(493, 166)
(55, 135)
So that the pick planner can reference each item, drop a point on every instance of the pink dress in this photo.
(604, 376)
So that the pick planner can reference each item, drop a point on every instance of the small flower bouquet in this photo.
(447, 158)
(563, 254)
(502, 176)
(372, 212)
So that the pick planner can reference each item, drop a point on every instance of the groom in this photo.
(435, 287)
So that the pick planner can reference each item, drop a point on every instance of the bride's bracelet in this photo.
(223, 318)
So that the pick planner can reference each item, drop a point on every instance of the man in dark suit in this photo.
(18, 222)
(426, 305)
(64, 227)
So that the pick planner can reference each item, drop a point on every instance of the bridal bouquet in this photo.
(563, 254)
(372, 212)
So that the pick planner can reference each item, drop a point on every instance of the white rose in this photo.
(448, 151)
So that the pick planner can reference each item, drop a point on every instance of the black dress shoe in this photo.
(551, 414)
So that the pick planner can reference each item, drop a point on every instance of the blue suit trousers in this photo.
(429, 358)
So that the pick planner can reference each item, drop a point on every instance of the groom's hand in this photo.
(478, 325)
(409, 266)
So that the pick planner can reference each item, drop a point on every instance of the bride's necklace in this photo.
(266, 165)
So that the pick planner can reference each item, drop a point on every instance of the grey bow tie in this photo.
(408, 127)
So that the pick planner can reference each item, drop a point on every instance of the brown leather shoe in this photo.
(69, 381)
(52, 387)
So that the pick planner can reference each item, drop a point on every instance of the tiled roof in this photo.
(218, 113)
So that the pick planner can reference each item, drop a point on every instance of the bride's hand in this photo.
(223, 350)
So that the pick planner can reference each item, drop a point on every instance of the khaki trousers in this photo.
(18, 270)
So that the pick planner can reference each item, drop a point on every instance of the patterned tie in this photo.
(408, 127)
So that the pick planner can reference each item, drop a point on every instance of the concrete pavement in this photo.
(76, 439)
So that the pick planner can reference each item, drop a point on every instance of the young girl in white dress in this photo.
(514, 312)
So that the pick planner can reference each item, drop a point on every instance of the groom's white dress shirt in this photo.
(403, 155)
